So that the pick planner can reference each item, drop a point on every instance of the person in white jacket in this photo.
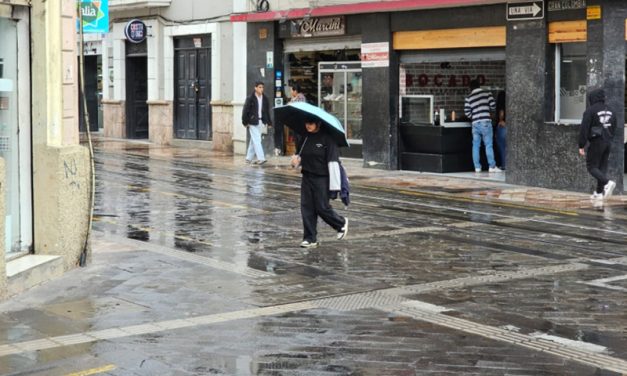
(319, 160)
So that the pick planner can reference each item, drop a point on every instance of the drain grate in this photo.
(485, 279)
(374, 299)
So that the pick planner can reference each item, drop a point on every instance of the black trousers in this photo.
(278, 137)
(314, 203)
(596, 161)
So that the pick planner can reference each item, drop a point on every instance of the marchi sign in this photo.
(319, 27)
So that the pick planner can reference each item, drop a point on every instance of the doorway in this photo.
(15, 147)
(93, 67)
(192, 91)
(136, 90)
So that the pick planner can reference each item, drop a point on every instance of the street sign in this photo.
(527, 10)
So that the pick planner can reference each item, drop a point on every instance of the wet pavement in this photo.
(196, 270)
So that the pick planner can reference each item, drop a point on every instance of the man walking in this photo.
(256, 114)
(478, 106)
(597, 128)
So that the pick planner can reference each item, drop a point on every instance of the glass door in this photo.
(353, 106)
(339, 93)
(9, 143)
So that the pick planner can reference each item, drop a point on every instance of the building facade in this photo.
(396, 73)
(175, 82)
(44, 172)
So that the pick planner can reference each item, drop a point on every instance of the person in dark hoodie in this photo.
(597, 129)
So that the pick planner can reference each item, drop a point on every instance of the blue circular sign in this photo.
(135, 31)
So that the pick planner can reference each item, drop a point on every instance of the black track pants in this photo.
(596, 162)
(314, 203)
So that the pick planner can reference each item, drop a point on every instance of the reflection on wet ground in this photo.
(183, 234)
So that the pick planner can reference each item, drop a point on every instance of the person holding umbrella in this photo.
(319, 160)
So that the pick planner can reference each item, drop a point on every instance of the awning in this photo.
(357, 8)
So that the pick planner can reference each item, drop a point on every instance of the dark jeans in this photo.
(314, 203)
(278, 137)
(596, 161)
(501, 143)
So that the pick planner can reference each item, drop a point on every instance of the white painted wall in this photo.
(182, 10)
(240, 90)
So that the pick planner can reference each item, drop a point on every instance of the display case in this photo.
(416, 109)
(340, 93)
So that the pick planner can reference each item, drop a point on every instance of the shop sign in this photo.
(528, 10)
(319, 27)
(555, 5)
(135, 31)
(95, 16)
(374, 55)
(440, 80)
(593, 12)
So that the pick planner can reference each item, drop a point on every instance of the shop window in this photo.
(570, 82)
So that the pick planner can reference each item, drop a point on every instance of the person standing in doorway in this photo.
(319, 161)
(296, 95)
(597, 129)
(256, 114)
(479, 106)
(501, 131)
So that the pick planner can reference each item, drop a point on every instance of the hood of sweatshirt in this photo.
(596, 96)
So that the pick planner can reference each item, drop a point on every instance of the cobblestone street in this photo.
(196, 270)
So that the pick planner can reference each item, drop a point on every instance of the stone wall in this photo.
(161, 127)
(62, 187)
(222, 126)
(114, 118)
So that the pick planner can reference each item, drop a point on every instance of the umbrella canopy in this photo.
(295, 114)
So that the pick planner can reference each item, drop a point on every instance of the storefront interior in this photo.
(330, 79)
(435, 134)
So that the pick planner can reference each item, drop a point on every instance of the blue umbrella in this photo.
(295, 114)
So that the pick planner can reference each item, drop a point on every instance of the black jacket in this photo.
(250, 113)
(598, 120)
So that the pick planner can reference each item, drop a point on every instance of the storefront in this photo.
(544, 63)
(323, 59)
(15, 131)
(438, 58)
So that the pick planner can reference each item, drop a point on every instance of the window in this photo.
(570, 82)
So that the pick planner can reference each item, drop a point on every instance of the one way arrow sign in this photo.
(528, 10)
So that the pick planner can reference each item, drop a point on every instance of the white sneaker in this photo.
(596, 196)
(307, 244)
(343, 231)
(609, 188)
(495, 169)
(477, 170)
